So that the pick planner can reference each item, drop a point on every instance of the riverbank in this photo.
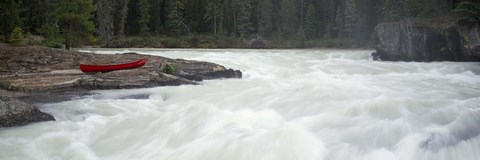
(41, 75)
(209, 41)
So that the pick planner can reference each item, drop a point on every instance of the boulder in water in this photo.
(14, 112)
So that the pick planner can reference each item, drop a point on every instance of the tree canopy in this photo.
(469, 9)
(75, 21)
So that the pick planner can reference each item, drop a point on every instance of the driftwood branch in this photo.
(184, 25)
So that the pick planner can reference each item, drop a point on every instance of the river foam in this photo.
(290, 105)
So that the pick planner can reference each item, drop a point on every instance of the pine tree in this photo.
(176, 17)
(310, 26)
(74, 19)
(105, 28)
(213, 14)
(340, 22)
(144, 21)
(351, 18)
(301, 7)
(414, 7)
(437, 8)
(393, 10)
(287, 18)
(468, 10)
(17, 36)
(50, 28)
(426, 8)
(326, 19)
(328, 31)
(244, 25)
(33, 14)
(194, 15)
(9, 16)
(122, 10)
(265, 25)
(366, 19)
(301, 37)
(51, 31)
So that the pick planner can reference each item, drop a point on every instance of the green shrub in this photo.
(175, 42)
(230, 42)
(123, 42)
(136, 42)
(169, 69)
(17, 36)
(53, 44)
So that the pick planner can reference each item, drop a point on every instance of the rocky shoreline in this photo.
(31, 75)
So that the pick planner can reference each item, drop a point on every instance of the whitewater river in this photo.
(290, 105)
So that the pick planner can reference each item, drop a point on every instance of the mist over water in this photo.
(290, 105)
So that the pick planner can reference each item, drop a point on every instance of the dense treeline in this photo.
(75, 21)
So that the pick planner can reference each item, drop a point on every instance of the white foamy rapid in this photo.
(290, 105)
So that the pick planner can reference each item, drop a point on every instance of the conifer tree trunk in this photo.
(105, 28)
(215, 20)
(122, 17)
(309, 22)
(144, 7)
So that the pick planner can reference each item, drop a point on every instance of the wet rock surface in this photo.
(42, 75)
(14, 112)
(409, 40)
(257, 43)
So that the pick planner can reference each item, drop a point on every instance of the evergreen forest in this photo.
(210, 23)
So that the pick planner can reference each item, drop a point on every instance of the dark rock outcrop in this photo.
(257, 43)
(49, 75)
(408, 40)
(14, 112)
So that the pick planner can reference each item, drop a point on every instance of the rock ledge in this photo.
(29, 72)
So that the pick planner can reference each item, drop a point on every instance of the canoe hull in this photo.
(107, 68)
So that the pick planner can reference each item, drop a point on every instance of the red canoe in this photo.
(106, 68)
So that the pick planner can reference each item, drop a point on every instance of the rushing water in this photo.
(290, 105)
